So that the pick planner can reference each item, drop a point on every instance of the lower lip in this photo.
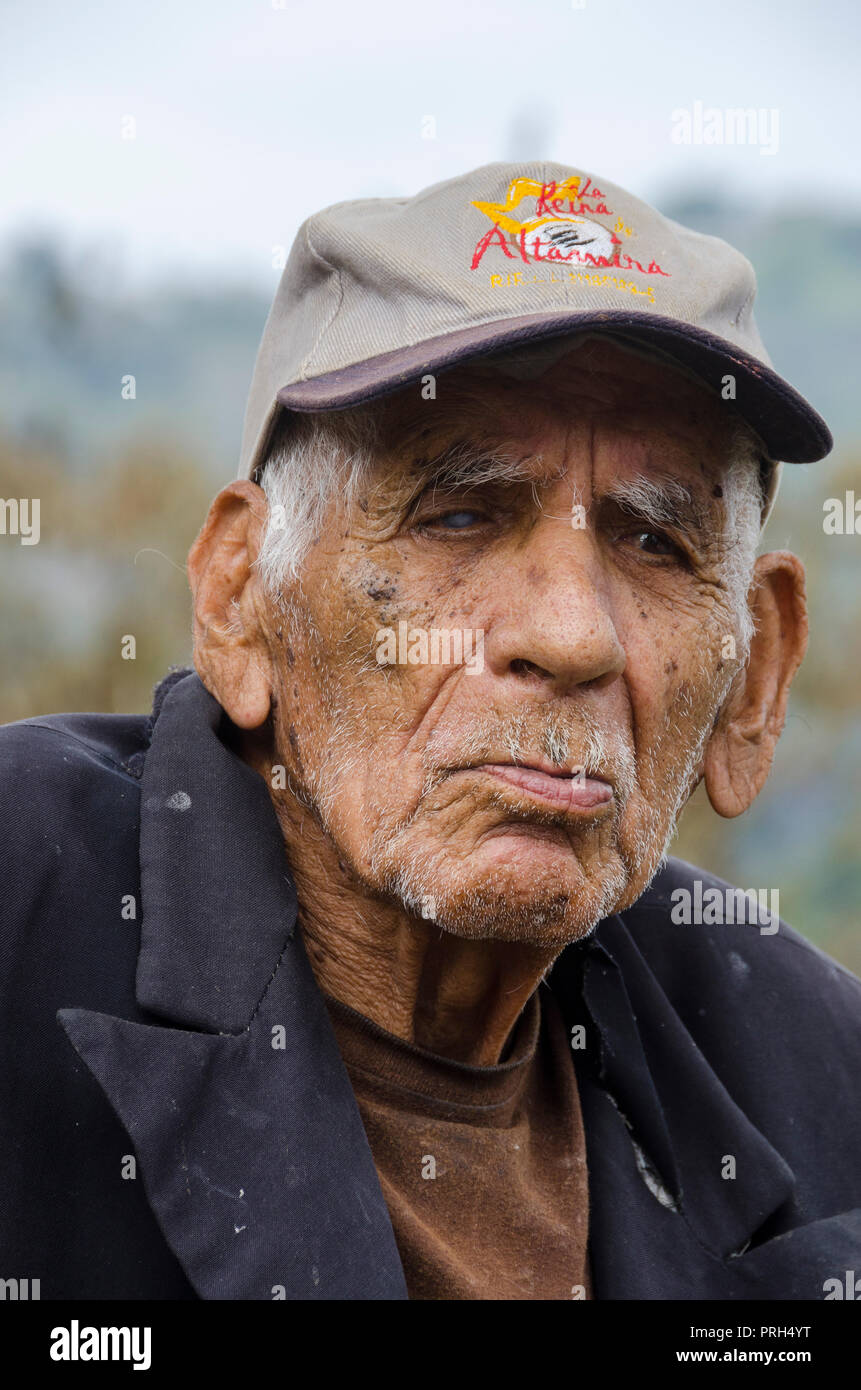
(569, 793)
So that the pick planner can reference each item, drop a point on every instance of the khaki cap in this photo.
(378, 292)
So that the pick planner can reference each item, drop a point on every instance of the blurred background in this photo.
(156, 162)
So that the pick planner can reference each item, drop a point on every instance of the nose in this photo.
(557, 628)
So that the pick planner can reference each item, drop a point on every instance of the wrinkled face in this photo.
(495, 694)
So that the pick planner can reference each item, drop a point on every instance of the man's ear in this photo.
(231, 654)
(740, 751)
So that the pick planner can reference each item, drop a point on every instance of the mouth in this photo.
(570, 790)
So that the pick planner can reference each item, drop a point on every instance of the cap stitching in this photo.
(746, 305)
(326, 326)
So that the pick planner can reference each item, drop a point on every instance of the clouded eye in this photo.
(457, 521)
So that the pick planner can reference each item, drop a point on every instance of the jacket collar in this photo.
(248, 1136)
(218, 903)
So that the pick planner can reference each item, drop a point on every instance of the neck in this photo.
(456, 997)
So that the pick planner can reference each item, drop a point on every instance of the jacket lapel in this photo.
(668, 1218)
(247, 1133)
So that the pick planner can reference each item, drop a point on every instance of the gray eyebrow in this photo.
(663, 501)
(472, 462)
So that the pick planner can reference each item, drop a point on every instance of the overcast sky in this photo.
(249, 116)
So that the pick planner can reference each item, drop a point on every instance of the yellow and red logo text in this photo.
(560, 227)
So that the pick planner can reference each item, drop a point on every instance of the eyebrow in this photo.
(662, 500)
(468, 463)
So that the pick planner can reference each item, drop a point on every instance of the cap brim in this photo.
(791, 430)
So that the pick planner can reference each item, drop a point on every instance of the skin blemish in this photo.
(294, 744)
(381, 589)
(717, 490)
(288, 652)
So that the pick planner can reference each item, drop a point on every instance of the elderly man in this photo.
(374, 978)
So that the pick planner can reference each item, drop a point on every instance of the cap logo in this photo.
(559, 226)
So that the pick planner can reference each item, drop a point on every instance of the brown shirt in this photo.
(483, 1168)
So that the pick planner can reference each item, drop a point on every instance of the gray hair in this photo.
(312, 458)
(309, 458)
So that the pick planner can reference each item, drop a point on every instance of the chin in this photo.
(543, 925)
(551, 904)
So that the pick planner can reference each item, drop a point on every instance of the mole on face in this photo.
(381, 589)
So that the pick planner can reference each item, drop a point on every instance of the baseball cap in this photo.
(378, 292)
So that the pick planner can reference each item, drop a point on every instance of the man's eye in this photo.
(455, 521)
(655, 543)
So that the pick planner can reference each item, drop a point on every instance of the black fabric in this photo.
(193, 1038)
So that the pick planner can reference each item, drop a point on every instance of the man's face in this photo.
(531, 788)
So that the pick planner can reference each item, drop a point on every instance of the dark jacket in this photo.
(149, 957)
